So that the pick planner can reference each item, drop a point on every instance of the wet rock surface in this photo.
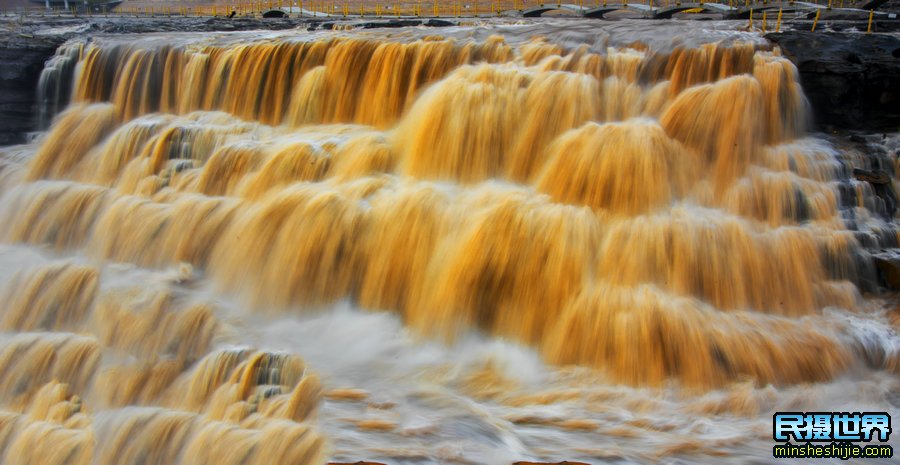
(23, 59)
(851, 79)
(887, 263)
(868, 161)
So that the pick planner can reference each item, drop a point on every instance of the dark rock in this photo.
(438, 23)
(273, 14)
(564, 462)
(23, 59)
(361, 462)
(851, 79)
(887, 263)
(874, 177)
(391, 24)
(883, 189)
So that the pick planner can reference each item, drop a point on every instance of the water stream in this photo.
(615, 244)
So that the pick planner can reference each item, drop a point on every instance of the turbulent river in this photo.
(614, 244)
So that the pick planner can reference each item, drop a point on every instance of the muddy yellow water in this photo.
(416, 248)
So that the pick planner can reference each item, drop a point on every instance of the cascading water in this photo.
(428, 249)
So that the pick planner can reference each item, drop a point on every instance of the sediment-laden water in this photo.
(455, 248)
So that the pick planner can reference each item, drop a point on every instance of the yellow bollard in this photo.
(871, 15)
(816, 21)
(778, 24)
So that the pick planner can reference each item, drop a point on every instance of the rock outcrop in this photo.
(851, 79)
(23, 59)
